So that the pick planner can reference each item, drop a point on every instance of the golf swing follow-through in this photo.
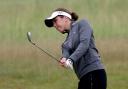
(79, 51)
(79, 48)
(54, 58)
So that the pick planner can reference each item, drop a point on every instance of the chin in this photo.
(63, 32)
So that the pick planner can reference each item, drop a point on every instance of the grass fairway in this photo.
(24, 67)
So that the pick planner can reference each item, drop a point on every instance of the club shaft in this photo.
(46, 52)
(29, 39)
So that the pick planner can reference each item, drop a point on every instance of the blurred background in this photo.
(22, 66)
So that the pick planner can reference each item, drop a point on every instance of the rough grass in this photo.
(25, 67)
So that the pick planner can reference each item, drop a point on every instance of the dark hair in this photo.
(73, 14)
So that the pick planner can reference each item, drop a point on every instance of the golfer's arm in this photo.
(65, 52)
(85, 36)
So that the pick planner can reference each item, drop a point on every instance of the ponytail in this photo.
(74, 16)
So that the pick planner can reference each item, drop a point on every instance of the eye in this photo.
(55, 20)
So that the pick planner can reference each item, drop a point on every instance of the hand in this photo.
(63, 60)
(69, 64)
(66, 63)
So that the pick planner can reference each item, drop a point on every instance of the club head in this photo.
(29, 36)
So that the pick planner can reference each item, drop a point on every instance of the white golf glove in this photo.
(69, 64)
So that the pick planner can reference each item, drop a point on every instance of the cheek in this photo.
(59, 26)
(59, 23)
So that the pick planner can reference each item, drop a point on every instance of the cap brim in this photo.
(48, 22)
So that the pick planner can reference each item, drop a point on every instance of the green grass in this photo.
(24, 67)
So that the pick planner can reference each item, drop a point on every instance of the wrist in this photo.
(69, 64)
(71, 59)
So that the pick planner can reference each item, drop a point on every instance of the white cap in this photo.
(48, 21)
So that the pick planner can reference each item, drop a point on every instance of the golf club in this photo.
(30, 40)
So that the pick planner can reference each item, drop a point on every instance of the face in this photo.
(61, 24)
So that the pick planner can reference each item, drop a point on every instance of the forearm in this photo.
(65, 52)
(80, 51)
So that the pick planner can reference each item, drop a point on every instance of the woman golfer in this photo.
(79, 50)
